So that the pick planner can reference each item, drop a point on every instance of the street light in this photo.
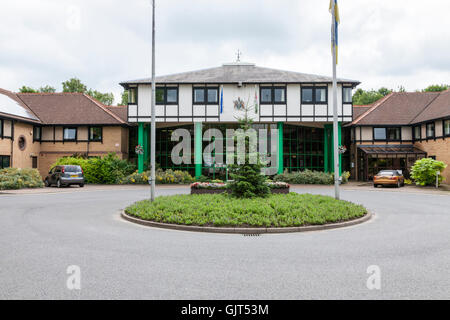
(153, 122)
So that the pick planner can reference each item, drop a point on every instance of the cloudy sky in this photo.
(103, 42)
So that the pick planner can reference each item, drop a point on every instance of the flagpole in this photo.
(153, 122)
(335, 109)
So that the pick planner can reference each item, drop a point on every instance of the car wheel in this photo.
(81, 185)
(46, 183)
(399, 184)
(58, 183)
(375, 186)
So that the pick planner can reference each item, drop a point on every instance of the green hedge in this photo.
(107, 170)
(223, 210)
(309, 177)
(162, 177)
(13, 178)
(424, 171)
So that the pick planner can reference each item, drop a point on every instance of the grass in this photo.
(221, 210)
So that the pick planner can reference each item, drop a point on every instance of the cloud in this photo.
(382, 43)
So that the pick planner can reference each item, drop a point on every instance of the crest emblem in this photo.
(239, 104)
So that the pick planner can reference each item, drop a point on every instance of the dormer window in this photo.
(132, 95)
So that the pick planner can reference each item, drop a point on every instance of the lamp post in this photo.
(153, 122)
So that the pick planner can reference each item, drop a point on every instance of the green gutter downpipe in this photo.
(198, 143)
(146, 147)
(280, 148)
(141, 142)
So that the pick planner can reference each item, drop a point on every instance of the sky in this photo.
(388, 43)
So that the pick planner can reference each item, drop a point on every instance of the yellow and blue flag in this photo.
(335, 23)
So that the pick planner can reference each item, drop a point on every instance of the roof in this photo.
(401, 108)
(439, 108)
(386, 149)
(69, 109)
(359, 110)
(120, 111)
(239, 72)
(12, 107)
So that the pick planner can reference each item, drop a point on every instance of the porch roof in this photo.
(390, 149)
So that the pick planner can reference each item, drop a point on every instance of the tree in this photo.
(124, 101)
(25, 89)
(47, 89)
(362, 97)
(74, 85)
(105, 98)
(436, 88)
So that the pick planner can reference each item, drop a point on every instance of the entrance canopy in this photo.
(391, 150)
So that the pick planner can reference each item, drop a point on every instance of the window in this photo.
(95, 134)
(273, 95)
(1, 129)
(379, 133)
(5, 162)
(417, 132)
(132, 95)
(430, 130)
(34, 162)
(206, 95)
(307, 95)
(311, 95)
(266, 95)
(321, 95)
(37, 133)
(446, 128)
(70, 134)
(388, 134)
(22, 143)
(347, 93)
(166, 95)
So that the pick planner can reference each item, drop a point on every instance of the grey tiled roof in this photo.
(240, 72)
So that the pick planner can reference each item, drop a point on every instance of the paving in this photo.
(43, 232)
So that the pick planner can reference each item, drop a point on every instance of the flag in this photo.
(221, 101)
(256, 100)
(335, 23)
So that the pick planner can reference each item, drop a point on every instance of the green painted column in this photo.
(340, 143)
(146, 147)
(198, 145)
(326, 151)
(141, 142)
(280, 148)
(329, 148)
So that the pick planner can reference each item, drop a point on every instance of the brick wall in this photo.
(439, 148)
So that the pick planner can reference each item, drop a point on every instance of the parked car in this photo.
(389, 177)
(65, 176)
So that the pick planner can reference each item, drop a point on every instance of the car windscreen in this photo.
(72, 169)
(386, 173)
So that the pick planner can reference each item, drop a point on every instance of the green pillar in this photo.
(146, 147)
(280, 148)
(198, 143)
(141, 142)
(329, 148)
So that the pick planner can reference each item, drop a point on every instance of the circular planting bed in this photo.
(222, 213)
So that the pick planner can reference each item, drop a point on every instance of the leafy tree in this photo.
(47, 89)
(436, 88)
(424, 171)
(363, 97)
(74, 85)
(105, 98)
(124, 101)
(25, 89)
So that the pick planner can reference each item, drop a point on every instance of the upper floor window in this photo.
(37, 132)
(347, 93)
(206, 95)
(95, 133)
(430, 130)
(446, 128)
(70, 134)
(314, 95)
(166, 95)
(417, 132)
(388, 134)
(273, 95)
(1, 128)
(132, 95)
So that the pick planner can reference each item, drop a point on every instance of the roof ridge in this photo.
(426, 107)
(103, 107)
(375, 105)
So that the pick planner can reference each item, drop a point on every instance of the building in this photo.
(399, 129)
(298, 104)
(38, 128)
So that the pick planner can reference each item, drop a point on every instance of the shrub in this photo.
(162, 177)
(222, 210)
(248, 182)
(107, 170)
(424, 171)
(310, 177)
(12, 178)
